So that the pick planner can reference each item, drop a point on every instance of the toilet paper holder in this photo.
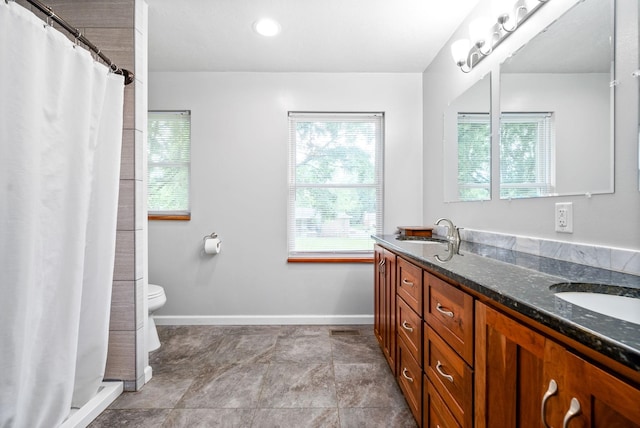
(211, 244)
(212, 236)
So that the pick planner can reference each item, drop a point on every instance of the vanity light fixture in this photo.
(485, 33)
(266, 27)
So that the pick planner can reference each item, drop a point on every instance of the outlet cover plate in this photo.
(564, 217)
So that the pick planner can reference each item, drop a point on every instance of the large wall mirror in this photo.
(556, 102)
(467, 144)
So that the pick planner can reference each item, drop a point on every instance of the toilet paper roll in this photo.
(212, 246)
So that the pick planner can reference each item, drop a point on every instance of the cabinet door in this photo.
(410, 284)
(378, 287)
(435, 411)
(410, 379)
(509, 373)
(385, 303)
(449, 311)
(390, 309)
(587, 396)
(409, 328)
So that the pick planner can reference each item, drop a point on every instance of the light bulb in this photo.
(460, 50)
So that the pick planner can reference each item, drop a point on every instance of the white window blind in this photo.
(527, 155)
(335, 183)
(474, 156)
(169, 160)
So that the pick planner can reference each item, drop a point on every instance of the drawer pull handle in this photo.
(443, 311)
(405, 282)
(442, 373)
(404, 374)
(553, 388)
(574, 410)
(406, 327)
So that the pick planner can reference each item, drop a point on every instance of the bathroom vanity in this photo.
(477, 336)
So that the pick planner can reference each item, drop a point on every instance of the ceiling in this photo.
(400, 36)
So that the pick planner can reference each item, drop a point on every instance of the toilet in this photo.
(156, 299)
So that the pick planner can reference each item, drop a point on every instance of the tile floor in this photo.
(264, 376)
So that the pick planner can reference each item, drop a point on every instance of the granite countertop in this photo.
(522, 282)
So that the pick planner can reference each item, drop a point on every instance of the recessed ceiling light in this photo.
(266, 27)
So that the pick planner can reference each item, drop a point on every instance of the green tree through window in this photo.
(474, 156)
(335, 182)
(526, 155)
(168, 162)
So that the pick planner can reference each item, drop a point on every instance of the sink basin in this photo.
(620, 307)
(424, 241)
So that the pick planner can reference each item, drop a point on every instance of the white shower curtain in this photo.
(60, 139)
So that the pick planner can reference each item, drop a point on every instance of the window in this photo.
(169, 160)
(335, 185)
(527, 160)
(474, 156)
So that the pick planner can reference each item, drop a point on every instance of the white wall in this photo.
(610, 219)
(239, 190)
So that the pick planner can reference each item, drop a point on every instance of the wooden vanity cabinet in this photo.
(461, 362)
(384, 319)
(514, 370)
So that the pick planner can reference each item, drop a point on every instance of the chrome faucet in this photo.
(453, 233)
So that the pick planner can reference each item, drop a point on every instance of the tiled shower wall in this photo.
(118, 28)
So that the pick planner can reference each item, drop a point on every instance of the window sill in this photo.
(330, 260)
(181, 217)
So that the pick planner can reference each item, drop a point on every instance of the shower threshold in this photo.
(107, 394)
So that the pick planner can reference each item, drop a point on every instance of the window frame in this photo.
(333, 256)
(179, 215)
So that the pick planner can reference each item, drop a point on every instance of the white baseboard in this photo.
(148, 374)
(263, 319)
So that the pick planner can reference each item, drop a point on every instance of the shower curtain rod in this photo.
(128, 75)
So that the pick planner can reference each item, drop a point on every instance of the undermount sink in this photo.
(425, 241)
(622, 307)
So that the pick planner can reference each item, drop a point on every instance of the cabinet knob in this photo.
(552, 390)
(406, 326)
(574, 410)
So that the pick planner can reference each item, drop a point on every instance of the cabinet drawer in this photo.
(450, 375)
(409, 326)
(410, 379)
(409, 284)
(449, 311)
(436, 414)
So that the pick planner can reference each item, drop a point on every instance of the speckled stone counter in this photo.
(523, 282)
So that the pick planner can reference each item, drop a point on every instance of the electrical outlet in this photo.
(564, 217)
